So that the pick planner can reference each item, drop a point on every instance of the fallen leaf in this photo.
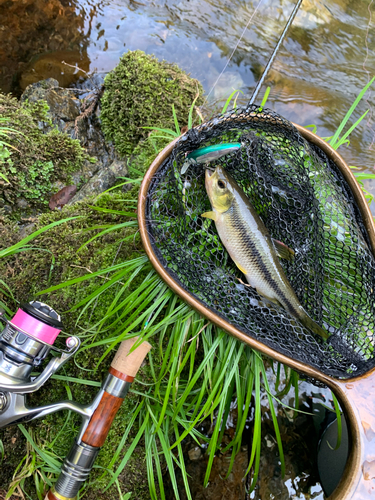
(62, 197)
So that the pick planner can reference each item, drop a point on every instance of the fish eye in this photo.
(221, 184)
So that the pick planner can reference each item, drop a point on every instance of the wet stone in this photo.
(63, 104)
(102, 181)
(195, 453)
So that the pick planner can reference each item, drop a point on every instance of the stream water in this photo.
(327, 58)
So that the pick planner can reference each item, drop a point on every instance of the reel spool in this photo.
(27, 339)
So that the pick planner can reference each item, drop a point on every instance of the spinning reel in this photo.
(25, 342)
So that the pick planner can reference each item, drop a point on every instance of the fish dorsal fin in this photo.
(282, 250)
(209, 215)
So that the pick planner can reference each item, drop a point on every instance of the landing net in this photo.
(305, 202)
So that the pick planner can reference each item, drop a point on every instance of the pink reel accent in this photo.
(35, 328)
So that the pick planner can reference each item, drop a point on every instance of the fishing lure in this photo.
(208, 154)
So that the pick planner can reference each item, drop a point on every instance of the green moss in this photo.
(147, 150)
(140, 92)
(35, 159)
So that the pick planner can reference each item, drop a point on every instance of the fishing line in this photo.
(271, 59)
(234, 50)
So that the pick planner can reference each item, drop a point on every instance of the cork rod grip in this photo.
(129, 364)
(124, 366)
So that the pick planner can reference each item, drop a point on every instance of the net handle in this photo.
(357, 400)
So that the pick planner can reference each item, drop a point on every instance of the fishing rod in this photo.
(274, 53)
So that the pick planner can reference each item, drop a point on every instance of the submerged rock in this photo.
(66, 66)
(31, 29)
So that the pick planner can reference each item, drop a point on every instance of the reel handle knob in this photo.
(80, 460)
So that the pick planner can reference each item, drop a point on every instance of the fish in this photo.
(249, 244)
(208, 154)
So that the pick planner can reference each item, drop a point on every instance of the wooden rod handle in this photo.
(101, 421)
(50, 496)
(124, 366)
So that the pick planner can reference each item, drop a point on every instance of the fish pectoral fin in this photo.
(242, 269)
(282, 250)
(242, 283)
(209, 215)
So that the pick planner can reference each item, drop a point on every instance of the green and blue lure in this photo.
(208, 154)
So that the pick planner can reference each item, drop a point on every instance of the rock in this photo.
(22, 203)
(65, 107)
(195, 453)
(102, 181)
(26, 230)
(63, 104)
(41, 155)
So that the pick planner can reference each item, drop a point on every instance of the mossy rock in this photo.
(139, 93)
(146, 151)
(32, 160)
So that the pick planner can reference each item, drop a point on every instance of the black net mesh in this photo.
(304, 202)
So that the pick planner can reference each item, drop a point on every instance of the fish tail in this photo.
(314, 327)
